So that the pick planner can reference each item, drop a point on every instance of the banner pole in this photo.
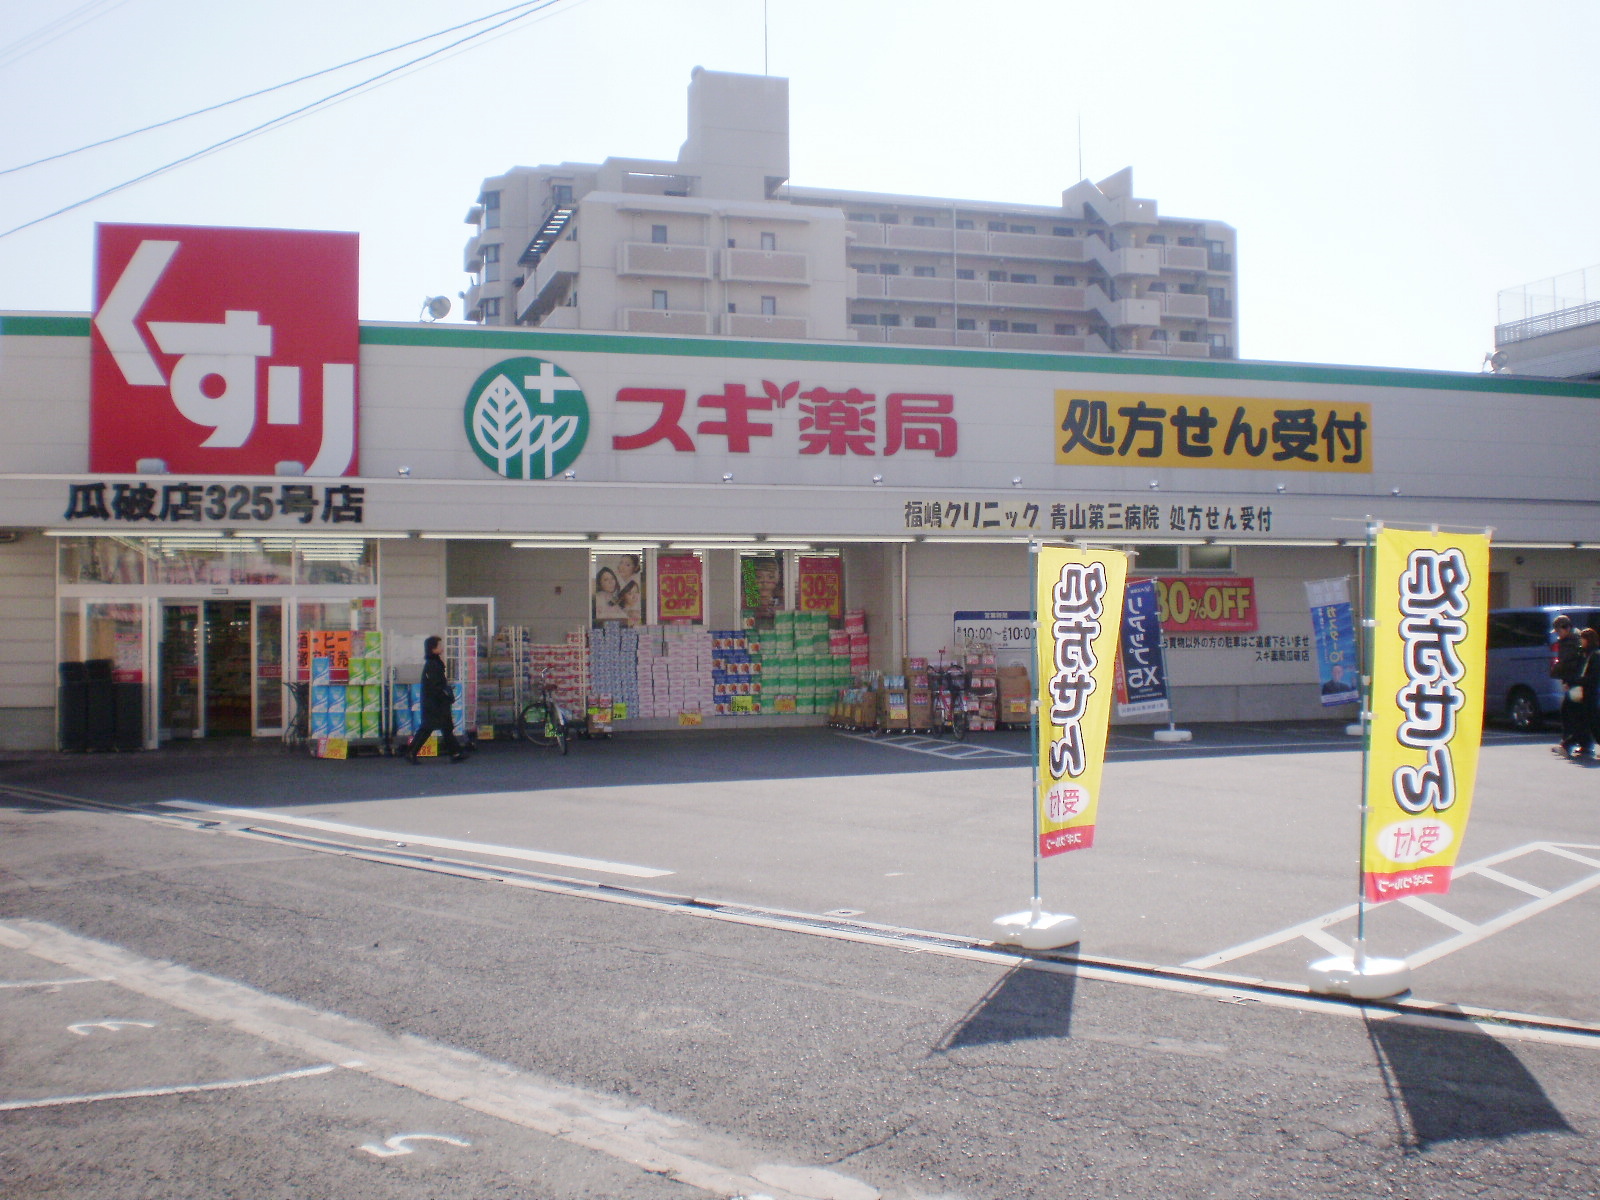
(1033, 724)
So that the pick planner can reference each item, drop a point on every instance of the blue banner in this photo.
(1334, 629)
(1142, 668)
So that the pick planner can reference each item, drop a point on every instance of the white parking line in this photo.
(1467, 933)
(937, 747)
(546, 857)
(182, 1089)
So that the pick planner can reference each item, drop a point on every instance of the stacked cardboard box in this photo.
(614, 667)
(674, 671)
(737, 672)
(919, 693)
(1015, 695)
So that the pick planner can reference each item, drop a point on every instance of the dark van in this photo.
(1519, 688)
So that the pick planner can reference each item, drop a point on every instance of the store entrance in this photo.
(208, 663)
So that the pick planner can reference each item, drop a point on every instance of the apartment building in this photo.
(1550, 329)
(718, 243)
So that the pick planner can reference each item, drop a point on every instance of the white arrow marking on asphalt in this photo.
(82, 1028)
(397, 1144)
(117, 316)
(418, 839)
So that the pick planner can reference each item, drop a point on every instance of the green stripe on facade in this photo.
(529, 340)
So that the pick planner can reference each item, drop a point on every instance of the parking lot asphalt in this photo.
(1233, 853)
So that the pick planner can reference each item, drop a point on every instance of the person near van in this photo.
(1589, 698)
(1567, 666)
(438, 700)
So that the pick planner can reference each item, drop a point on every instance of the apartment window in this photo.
(998, 327)
(966, 323)
(965, 273)
(923, 322)
(1219, 341)
(769, 241)
(922, 220)
(1157, 286)
(1188, 335)
(491, 308)
(1187, 289)
(1023, 229)
(963, 223)
(888, 268)
(1024, 279)
(860, 217)
(769, 306)
(888, 219)
(1187, 241)
(1210, 558)
(658, 234)
(1024, 327)
(491, 210)
(863, 319)
(733, 244)
(561, 194)
(866, 268)
(1546, 591)
(1217, 247)
(1156, 239)
(658, 300)
(1066, 330)
(1066, 281)
(491, 262)
(997, 276)
(923, 272)
(732, 307)
(1158, 335)
(890, 319)
(1063, 231)
(997, 226)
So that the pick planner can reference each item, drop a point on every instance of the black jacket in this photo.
(437, 695)
(1568, 659)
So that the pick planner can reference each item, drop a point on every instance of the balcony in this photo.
(1219, 307)
(765, 266)
(935, 239)
(1038, 295)
(1038, 245)
(1183, 258)
(663, 320)
(865, 233)
(1182, 304)
(472, 256)
(1172, 349)
(659, 259)
(1217, 261)
(753, 325)
(1127, 261)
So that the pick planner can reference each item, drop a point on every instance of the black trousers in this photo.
(447, 737)
(1575, 731)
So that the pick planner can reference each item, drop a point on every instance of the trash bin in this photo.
(72, 707)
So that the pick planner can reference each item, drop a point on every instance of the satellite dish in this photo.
(436, 307)
(1499, 359)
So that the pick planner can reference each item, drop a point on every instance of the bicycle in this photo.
(543, 721)
(950, 700)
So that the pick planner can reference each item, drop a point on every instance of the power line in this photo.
(285, 118)
(54, 30)
(264, 91)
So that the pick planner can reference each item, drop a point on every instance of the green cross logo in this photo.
(526, 419)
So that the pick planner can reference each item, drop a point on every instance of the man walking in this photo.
(437, 703)
(1567, 666)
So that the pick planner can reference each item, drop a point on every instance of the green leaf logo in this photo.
(526, 419)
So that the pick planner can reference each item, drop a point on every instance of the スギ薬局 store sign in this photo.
(224, 351)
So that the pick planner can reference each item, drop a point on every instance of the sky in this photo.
(1390, 167)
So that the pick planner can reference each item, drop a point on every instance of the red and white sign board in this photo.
(224, 351)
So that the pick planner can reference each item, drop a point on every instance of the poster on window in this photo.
(1141, 665)
(822, 586)
(680, 590)
(1430, 619)
(618, 589)
(760, 587)
(1333, 629)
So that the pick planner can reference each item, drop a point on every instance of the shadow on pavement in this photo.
(1025, 1004)
(1461, 1084)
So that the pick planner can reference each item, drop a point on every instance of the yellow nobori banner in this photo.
(1079, 607)
(1139, 429)
(1431, 612)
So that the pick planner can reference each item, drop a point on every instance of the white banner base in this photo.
(1035, 930)
(1360, 977)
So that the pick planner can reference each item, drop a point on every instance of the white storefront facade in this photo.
(505, 466)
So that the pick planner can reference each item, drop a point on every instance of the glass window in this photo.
(1156, 239)
(1024, 279)
(769, 306)
(997, 276)
(491, 308)
(923, 322)
(658, 234)
(99, 560)
(1024, 327)
(966, 273)
(1023, 229)
(769, 241)
(1066, 281)
(867, 268)
(888, 219)
(561, 194)
(343, 561)
(491, 210)
(963, 223)
(889, 319)
(1066, 330)
(1210, 558)
(966, 323)
(259, 560)
(922, 220)
(1063, 231)
(188, 560)
(658, 300)
(888, 268)
(863, 318)
(1158, 558)
(998, 326)
(923, 272)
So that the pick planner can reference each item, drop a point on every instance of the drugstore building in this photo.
(214, 462)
